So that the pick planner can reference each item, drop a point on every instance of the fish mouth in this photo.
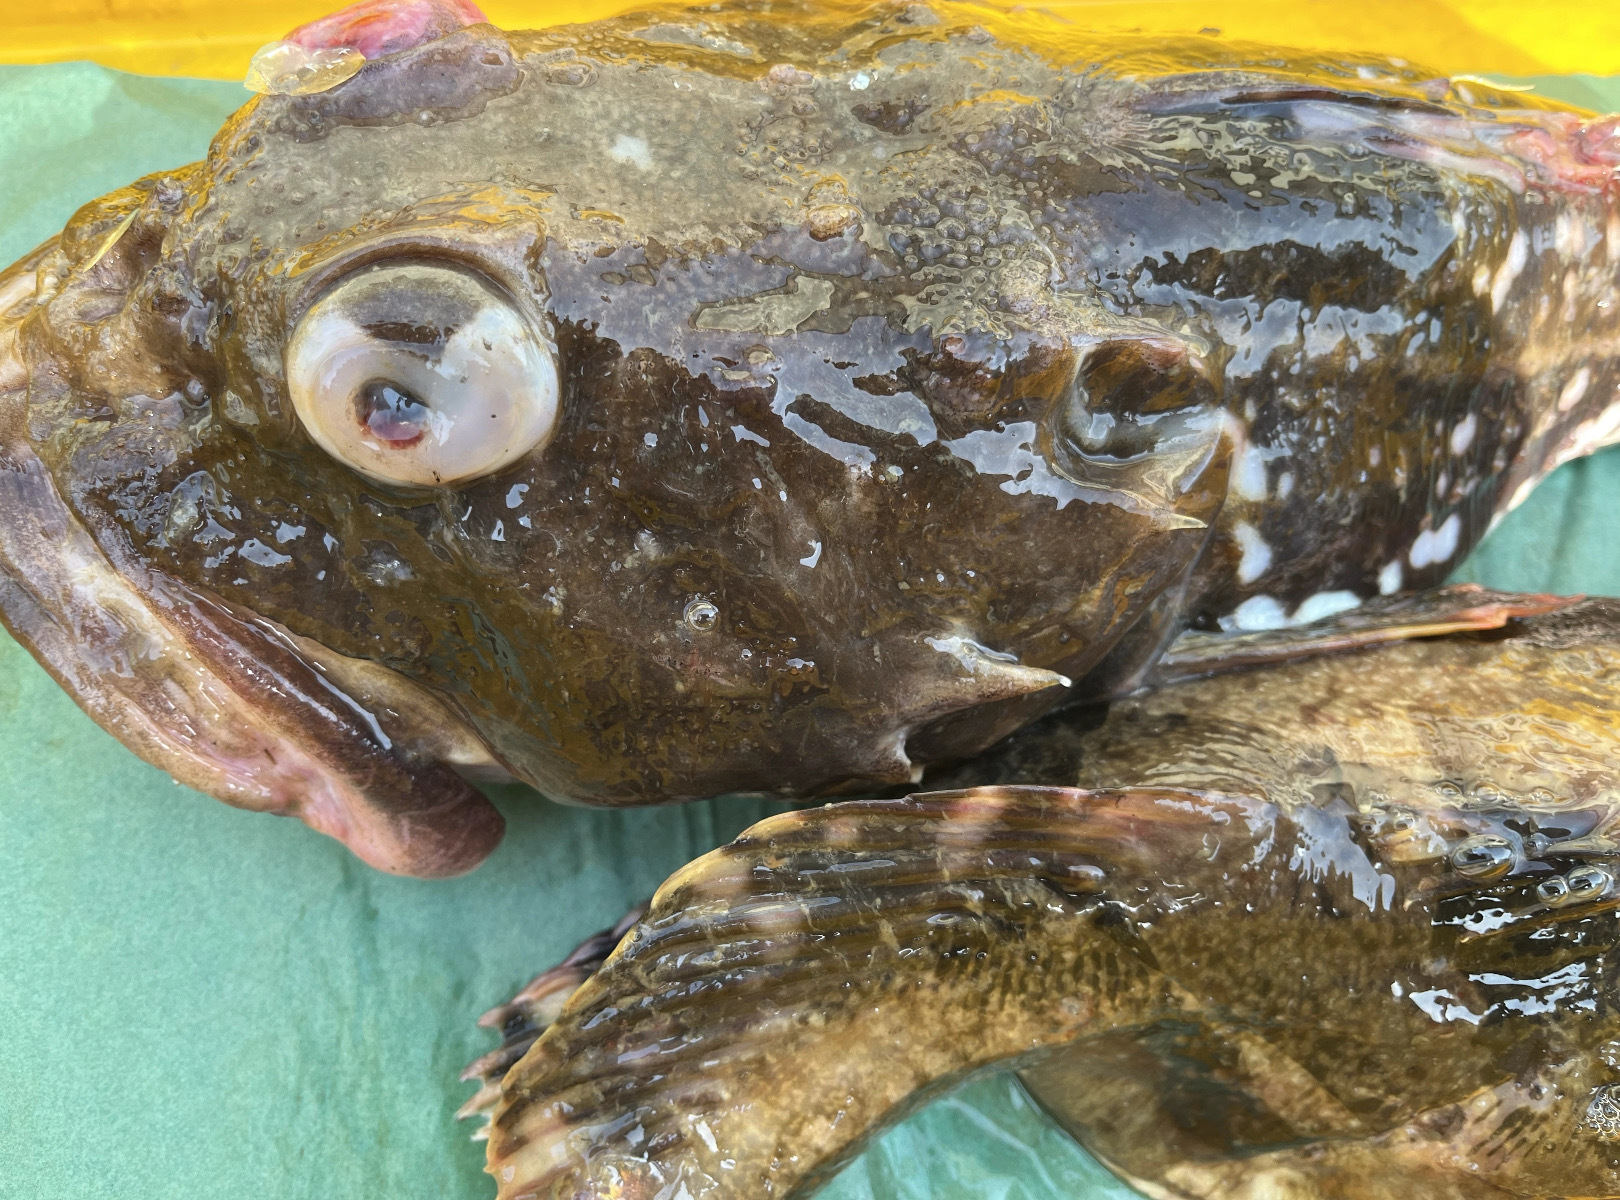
(225, 700)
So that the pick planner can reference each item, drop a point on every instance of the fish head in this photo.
(523, 398)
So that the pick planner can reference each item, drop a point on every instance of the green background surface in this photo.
(196, 1001)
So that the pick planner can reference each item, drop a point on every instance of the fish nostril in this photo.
(1482, 857)
(392, 415)
(1128, 394)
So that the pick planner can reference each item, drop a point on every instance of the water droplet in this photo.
(1552, 891)
(1483, 856)
(1588, 883)
(287, 69)
(702, 616)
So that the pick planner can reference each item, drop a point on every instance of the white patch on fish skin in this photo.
(1249, 473)
(1254, 614)
(1482, 279)
(1323, 604)
(1285, 485)
(634, 152)
(1434, 546)
(1389, 579)
(1462, 436)
(1572, 236)
(1602, 430)
(1575, 389)
(1256, 560)
(13, 370)
(1508, 273)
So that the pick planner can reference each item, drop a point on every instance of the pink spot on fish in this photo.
(378, 27)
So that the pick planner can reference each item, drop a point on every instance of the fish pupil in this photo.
(391, 414)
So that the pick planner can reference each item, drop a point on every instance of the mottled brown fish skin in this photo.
(1343, 927)
(944, 367)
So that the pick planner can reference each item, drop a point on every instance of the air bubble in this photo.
(1484, 856)
(702, 616)
(1552, 891)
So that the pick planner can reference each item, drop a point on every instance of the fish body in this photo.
(1335, 927)
(885, 381)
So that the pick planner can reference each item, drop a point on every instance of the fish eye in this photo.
(422, 375)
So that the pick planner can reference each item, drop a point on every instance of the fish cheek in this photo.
(635, 571)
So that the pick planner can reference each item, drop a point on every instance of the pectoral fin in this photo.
(793, 992)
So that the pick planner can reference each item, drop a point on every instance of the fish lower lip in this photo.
(223, 700)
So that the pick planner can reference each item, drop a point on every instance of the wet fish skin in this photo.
(948, 369)
(1338, 927)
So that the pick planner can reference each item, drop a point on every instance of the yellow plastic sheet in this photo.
(212, 40)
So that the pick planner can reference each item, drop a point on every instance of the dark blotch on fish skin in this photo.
(891, 116)
(1352, 276)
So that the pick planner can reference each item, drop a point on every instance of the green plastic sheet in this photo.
(196, 1001)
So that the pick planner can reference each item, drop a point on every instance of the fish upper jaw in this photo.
(222, 699)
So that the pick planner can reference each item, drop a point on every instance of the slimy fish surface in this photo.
(1341, 926)
(765, 399)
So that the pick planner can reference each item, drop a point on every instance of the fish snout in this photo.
(220, 698)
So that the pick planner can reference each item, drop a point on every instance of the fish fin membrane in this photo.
(379, 27)
(1462, 608)
(791, 993)
(527, 1015)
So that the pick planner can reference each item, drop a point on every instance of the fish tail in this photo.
(791, 993)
